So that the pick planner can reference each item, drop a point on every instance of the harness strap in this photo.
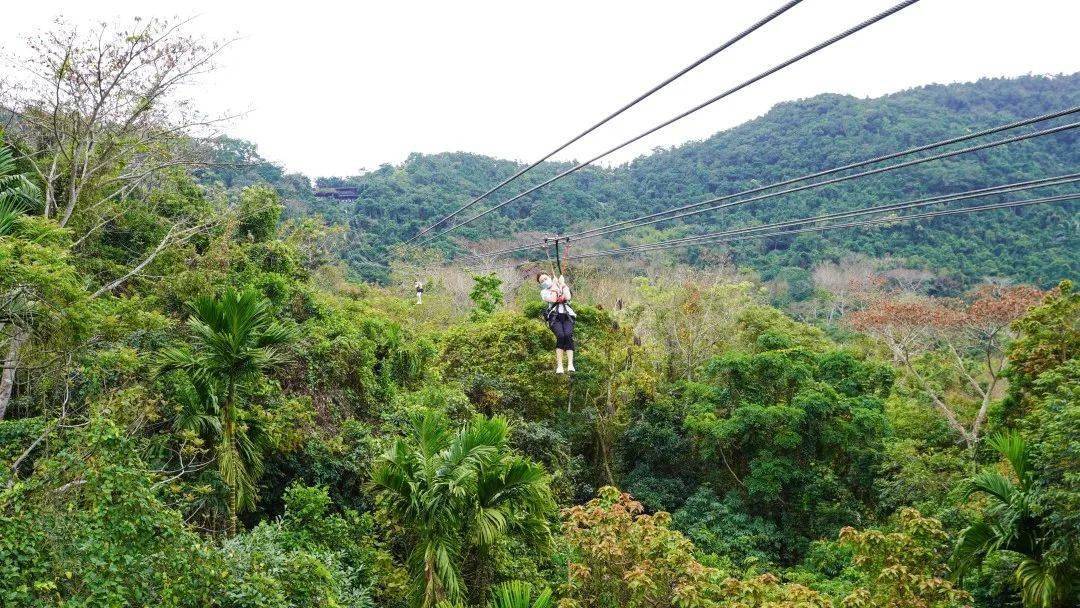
(547, 252)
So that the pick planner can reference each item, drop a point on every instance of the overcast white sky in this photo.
(338, 87)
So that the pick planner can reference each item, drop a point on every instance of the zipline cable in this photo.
(885, 220)
(609, 117)
(935, 200)
(695, 208)
(1045, 182)
(1049, 182)
(836, 180)
(770, 71)
(607, 229)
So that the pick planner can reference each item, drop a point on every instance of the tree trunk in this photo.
(230, 439)
(950, 416)
(233, 507)
(433, 593)
(605, 454)
(11, 364)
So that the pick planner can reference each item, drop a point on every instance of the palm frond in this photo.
(1038, 582)
(235, 474)
(458, 490)
(17, 192)
(975, 543)
(518, 594)
(7, 161)
(9, 214)
(430, 431)
(1011, 445)
(175, 358)
(993, 484)
(488, 524)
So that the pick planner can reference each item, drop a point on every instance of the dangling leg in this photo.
(568, 342)
(558, 359)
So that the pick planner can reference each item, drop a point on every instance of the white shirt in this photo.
(555, 291)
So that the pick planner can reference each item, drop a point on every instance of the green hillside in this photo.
(792, 139)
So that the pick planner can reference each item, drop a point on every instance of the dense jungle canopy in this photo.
(219, 389)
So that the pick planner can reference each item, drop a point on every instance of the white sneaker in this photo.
(570, 368)
(559, 370)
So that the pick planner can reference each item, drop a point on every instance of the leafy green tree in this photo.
(502, 363)
(17, 193)
(105, 127)
(236, 340)
(309, 557)
(902, 568)
(88, 528)
(688, 322)
(620, 556)
(1010, 528)
(795, 433)
(260, 213)
(727, 528)
(455, 494)
(793, 284)
(43, 311)
(1044, 395)
(486, 295)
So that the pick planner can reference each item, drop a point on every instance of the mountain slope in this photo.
(793, 138)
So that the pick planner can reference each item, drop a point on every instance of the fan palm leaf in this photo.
(1009, 526)
(1038, 581)
(518, 594)
(17, 192)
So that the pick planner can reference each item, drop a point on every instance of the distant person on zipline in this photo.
(560, 318)
(419, 292)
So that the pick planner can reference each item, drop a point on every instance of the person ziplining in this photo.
(560, 316)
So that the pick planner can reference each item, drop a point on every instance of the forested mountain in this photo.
(792, 139)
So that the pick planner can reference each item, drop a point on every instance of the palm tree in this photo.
(1009, 527)
(17, 192)
(235, 341)
(460, 491)
(512, 594)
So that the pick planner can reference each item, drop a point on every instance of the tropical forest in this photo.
(226, 384)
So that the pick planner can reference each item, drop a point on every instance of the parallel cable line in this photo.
(933, 200)
(836, 180)
(607, 229)
(884, 220)
(770, 71)
(855, 165)
(695, 208)
(1059, 181)
(609, 117)
(1045, 182)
